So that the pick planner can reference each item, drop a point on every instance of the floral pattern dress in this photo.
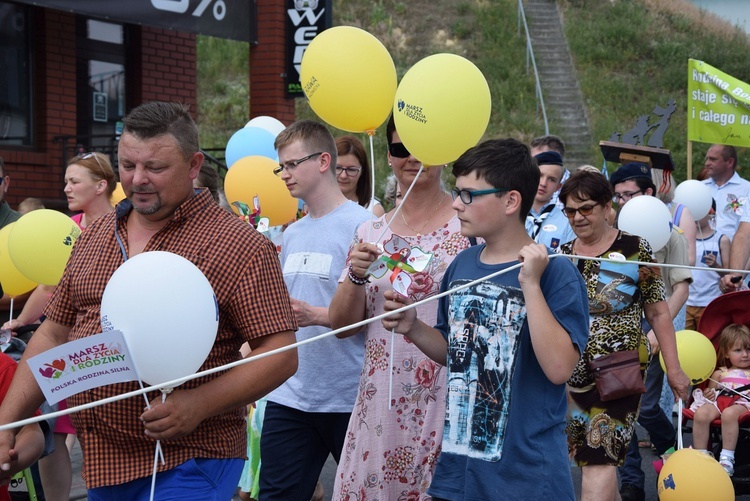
(392, 446)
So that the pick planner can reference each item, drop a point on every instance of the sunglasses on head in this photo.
(398, 150)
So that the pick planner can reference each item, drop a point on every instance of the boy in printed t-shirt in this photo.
(510, 342)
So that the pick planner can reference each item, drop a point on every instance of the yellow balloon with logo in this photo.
(349, 79)
(689, 475)
(13, 281)
(696, 353)
(40, 244)
(442, 108)
(118, 195)
(252, 177)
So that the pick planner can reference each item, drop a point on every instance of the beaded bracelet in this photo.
(355, 279)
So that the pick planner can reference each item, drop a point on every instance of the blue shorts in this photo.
(198, 479)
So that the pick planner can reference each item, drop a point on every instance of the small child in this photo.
(712, 251)
(709, 404)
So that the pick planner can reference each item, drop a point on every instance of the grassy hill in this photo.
(630, 56)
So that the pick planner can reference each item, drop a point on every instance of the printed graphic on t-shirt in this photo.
(311, 263)
(615, 288)
(485, 326)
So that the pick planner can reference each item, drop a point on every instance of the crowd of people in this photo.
(434, 398)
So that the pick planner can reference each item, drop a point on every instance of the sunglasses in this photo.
(398, 150)
(584, 210)
(86, 156)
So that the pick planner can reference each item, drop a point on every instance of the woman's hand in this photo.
(361, 257)
(403, 321)
(679, 382)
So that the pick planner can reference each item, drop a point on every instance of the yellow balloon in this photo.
(442, 108)
(13, 281)
(697, 355)
(40, 244)
(253, 176)
(349, 79)
(118, 195)
(689, 475)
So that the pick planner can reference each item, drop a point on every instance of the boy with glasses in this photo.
(307, 416)
(509, 342)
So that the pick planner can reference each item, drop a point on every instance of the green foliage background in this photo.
(630, 55)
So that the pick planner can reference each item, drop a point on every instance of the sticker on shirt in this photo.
(309, 263)
(549, 227)
(616, 256)
(485, 332)
(735, 205)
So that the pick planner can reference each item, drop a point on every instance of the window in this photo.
(16, 70)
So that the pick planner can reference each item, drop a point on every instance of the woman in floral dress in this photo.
(396, 428)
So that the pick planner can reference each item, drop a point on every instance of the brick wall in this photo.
(267, 94)
(163, 67)
(37, 171)
(167, 67)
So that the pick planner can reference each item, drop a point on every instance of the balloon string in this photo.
(731, 390)
(372, 173)
(11, 309)
(148, 406)
(158, 450)
(372, 182)
(679, 424)
(399, 206)
(390, 369)
(356, 325)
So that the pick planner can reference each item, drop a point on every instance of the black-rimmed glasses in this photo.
(349, 171)
(292, 164)
(467, 196)
(584, 210)
(625, 196)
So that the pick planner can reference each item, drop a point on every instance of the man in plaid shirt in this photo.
(201, 424)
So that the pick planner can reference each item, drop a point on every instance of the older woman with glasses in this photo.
(395, 431)
(619, 294)
(353, 173)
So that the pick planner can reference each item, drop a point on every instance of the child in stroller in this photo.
(726, 309)
(725, 396)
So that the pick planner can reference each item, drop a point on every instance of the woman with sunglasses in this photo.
(599, 432)
(353, 174)
(395, 431)
(89, 184)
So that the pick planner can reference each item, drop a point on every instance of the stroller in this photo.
(733, 308)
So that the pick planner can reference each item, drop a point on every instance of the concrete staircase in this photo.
(566, 110)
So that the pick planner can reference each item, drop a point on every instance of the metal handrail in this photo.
(530, 57)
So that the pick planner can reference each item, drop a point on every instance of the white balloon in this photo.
(167, 312)
(270, 124)
(648, 218)
(694, 195)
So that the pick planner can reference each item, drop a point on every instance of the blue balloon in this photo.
(250, 141)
